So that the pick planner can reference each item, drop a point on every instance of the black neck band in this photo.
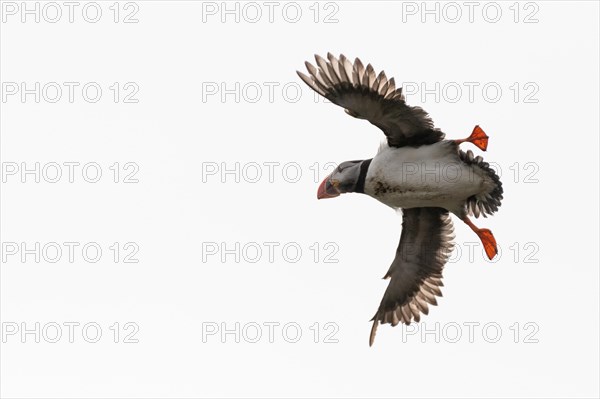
(360, 184)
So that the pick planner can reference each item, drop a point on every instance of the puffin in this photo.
(417, 172)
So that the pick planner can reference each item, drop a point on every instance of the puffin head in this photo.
(348, 177)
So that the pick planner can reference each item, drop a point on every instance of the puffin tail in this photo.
(489, 200)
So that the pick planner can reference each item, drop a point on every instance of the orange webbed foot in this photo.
(478, 138)
(489, 242)
(487, 239)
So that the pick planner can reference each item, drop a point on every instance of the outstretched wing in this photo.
(366, 95)
(416, 272)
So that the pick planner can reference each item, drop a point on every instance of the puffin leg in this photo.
(478, 137)
(486, 237)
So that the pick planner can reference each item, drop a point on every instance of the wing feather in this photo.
(416, 272)
(366, 95)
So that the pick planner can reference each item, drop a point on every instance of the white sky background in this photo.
(543, 128)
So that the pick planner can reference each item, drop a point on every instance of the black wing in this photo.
(366, 95)
(416, 272)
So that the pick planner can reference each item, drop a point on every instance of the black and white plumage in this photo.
(410, 173)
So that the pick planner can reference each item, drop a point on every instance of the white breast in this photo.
(426, 176)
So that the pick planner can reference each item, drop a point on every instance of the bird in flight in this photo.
(418, 171)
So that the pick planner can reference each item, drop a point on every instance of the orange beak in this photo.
(327, 189)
